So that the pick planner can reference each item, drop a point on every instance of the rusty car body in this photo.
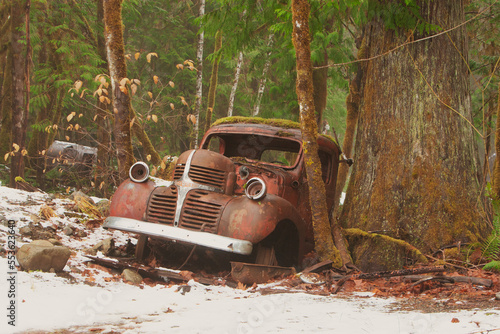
(244, 192)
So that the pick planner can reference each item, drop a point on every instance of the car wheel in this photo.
(142, 249)
(265, 255)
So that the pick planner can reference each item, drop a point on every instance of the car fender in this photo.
(247, 219)
(130, 200)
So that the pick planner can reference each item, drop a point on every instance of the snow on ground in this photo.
(89, 299)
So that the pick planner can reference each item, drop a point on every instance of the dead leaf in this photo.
(148, 57)
(155, 118)
(171, 84)
(155, 79)
(137, 55)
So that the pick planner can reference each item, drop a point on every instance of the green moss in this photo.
(282, 123)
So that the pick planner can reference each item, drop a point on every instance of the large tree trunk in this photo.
(113, 34)
(324, 245)
(20, 93)
(416, 172)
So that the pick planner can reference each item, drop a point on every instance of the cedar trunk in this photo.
(416, 175)
(113, 34)
(19, 99)
(317, 196)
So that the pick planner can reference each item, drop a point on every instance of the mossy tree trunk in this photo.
(324, 245)
(115, 50)
(213, 81)
(320, 84)
(199, 79)
(19, 10)
(416, 172)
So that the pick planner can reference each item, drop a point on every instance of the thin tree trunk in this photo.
(213, 81)
(103, 169)
(20, 92)
(263, 80)
(113, 34)
(496, 168)
(199, 77)
(320, 80)
(324, 245)
(235, 84)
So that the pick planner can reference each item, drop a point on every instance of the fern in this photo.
(492, 266)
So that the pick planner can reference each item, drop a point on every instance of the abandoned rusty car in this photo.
(243, 192)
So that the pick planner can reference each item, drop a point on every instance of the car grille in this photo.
(202, 175)
(162, 206)
(200, 215)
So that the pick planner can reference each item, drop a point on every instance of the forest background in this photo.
(189, 63)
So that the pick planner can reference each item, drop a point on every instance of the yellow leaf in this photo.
(133, 88)
(81, 95)
(124, 90)
(172, 106)
(80, 115)
(102, 80)
(43, 152)
(108, 101)
(77, 126)
(98, 92)
(97, 77)
(137, 55)
(24, 152)
(179, 66)
(171, 83)
(127, 56)
(101, 185)
(163, 165)
(105, 91)
(95, 117)
(148, 57)
(16, 147)
(150, 95)
(148, 157)
(102, 98)
(192, 118)
(155, 118)
(188, 62)
(70, 117)
(124, 81)
(151, 104)
(148, 117)
(55, 126)
(153, 171)
(6, 156)
(137, 82)
(155, 79)
(183, 101)
(132, 122)
(67, 190)
(72, 94)
(78, 85)
(67, 138)
(92, 183)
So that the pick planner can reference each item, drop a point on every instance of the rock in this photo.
(81, 233)
(106, 246)
(131, 276)
(42, 255)
(55, 242)
(497, 296)
(103, 207)
(68, 230)
(25, 230)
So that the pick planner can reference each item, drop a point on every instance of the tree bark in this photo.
(324, 245)
(213, 81)
(416, 174)
(199, 78)
(113, 34)
(20, 76)
(263, 80)
(235, 84)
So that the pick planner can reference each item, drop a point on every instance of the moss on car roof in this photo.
(282, 123)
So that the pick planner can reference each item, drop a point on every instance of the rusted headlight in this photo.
(255, 189)
(139, 172)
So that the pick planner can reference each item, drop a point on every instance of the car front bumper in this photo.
(166, 232)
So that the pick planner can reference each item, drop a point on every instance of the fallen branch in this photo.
(450, 279)
(380, 274)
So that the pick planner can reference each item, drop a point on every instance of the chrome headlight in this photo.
(139, 172)
(255, 189)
